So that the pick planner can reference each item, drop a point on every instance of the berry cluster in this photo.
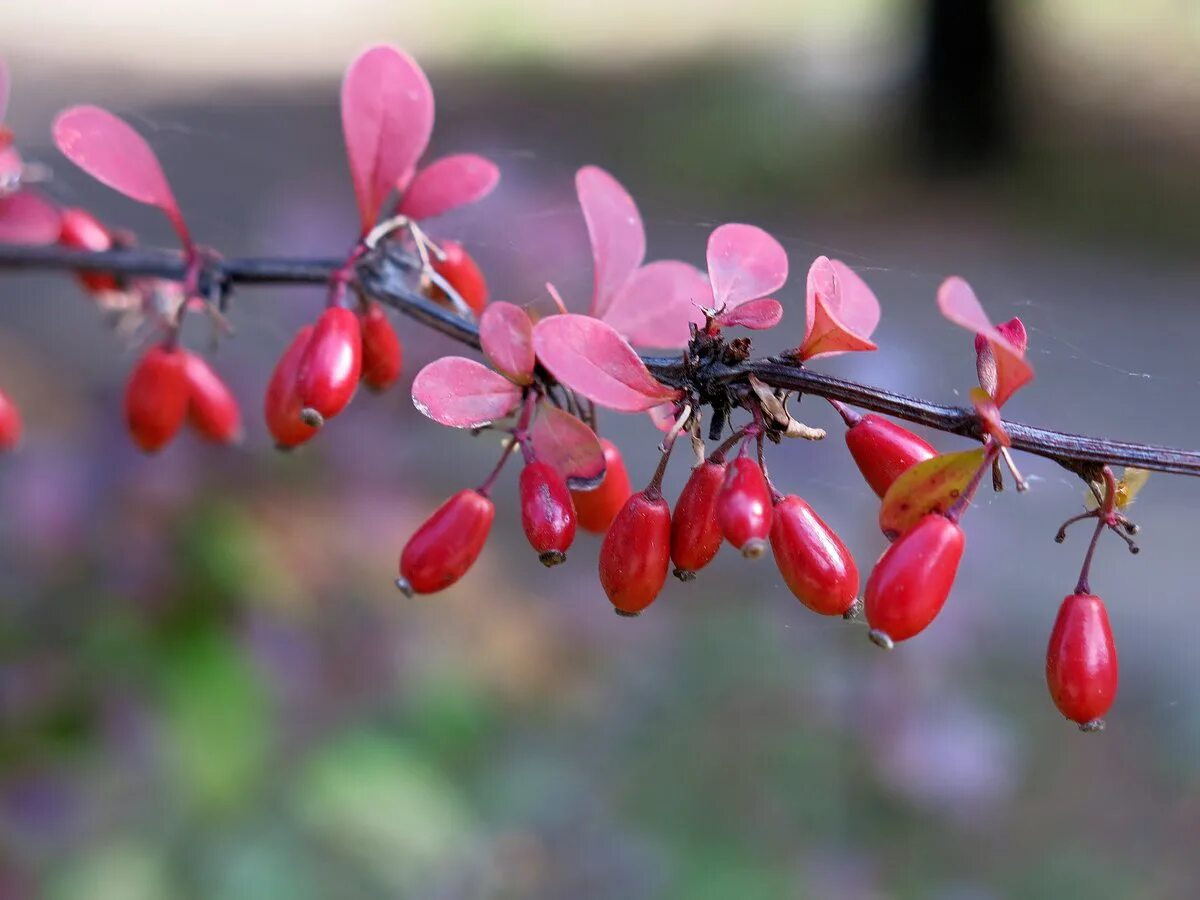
(549, 369)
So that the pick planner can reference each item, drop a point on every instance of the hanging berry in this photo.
(331, 365)
(744, 506)
(596, 509)
(80, 230)
(156, 398)
(812, 559)
(546, 512)
(636, 553)
(1081, 661)
(212, 409)
(884, 450)
(10, 423)
(695, 532)
(382, 355)
(447, 544)
(282, 404)
(463, 274)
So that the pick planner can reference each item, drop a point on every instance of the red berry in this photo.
(744, 507)
(884, 451)
(812, 559)
(911, 581)
(596, 509)
(10, 423)
(636, 553)
(282, 405)
(447, 544)
(546, 512)
(212, 408)
(381, 352)
(463, 274)
(156, 398)
(1081, 661)
(332, 362)
(695, 532)
(80, 230)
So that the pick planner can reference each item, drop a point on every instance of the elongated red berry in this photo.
(812, 559)
(636, 553)
(212, 408)
(695, 532)
(331, 365)
(1081, 661)
(282, 405)
(80, 230)
(547, 514)
(596, 509)
(744, 507)
(911, 581)
(884, 451)
(464, 276)
(156, 398)
(10, 423)
(382, 355)
(447, 544)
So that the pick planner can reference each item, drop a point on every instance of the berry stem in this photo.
(1105, 518)
(849, 416)
(485, 489)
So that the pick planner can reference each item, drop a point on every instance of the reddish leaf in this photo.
(985, 358)
(570, 446)
(590, 358)
(756, 315)
(506, 334)
(462, 393)
(959, 304)
(929, 486)
(744, 263)
(27, 217)
(989, 416)
(663, 416)
(658, 302)
(387, 117)
(107, 148)
(841, 311)
(447, 184)
(615, 229)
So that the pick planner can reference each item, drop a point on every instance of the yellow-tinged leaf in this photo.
(930, 486)
(1129, 485)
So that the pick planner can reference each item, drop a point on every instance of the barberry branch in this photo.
(387, 274)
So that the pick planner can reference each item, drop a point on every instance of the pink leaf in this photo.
(959, 304)
(756, 315)
(462, 393)
(663, 416)
(107, 148)
(448, 183)
(27, 217)
(506, 334)
(828, 336)
(592, 359)
(841, 311)
(744, 263)
(615, 229)
(657, 304)
(570, 446)
(985, 359)
(387, 117)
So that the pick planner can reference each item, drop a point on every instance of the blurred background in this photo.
(209, 686)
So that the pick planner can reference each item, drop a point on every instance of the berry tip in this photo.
(881, 639)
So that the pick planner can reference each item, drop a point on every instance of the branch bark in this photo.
(387, 276)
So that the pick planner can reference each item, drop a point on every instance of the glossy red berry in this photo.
(547, 514)
(695, 532)
(636, 553)
(156, 398)
(382, 355)
(447, 544)
(80, 230)
(464, 275)
(911, 581)
(331, 365)
(884, 451)
(282, 405)
(1081, 661)
(596, 509)
(744, 507)
(212, 408)
(10, 423)
(812, 559)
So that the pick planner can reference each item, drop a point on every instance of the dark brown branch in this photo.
(387, 276)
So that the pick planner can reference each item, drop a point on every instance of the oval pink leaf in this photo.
(506, 334)
(27, 217)
(985, 359)
(566, 443)
(449, 183)
(744, 263)
(387, 118)
(592, 359)
(107, 148)
(658, 303)
(828, 336)
(959, 304)
(756, 315)
(463, 393)
(615, 230)
(850, 310)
